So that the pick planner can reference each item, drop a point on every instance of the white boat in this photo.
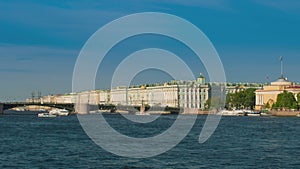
(266, 114)
(19, 109)
(142, 114)
(46, 115)
(233, 113)
(298, 115)
(253, 114)
(42, 110)
(59, 112)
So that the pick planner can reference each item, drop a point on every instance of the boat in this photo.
(46, 115)
(298, 115)
(253, 114)
(59, 112)
(142, 113)
(42, 110)
(233, 113)
(20, 109)
(265, 114)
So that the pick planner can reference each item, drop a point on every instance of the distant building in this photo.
(178, 94)
(59, 98)
(184, 94)
(238, 87)
(194, 94)
(270, 92)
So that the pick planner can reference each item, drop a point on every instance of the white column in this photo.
(198, 98)
(190, 97)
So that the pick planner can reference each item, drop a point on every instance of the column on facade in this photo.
(190, 97)
(198, 98)
(185, 97)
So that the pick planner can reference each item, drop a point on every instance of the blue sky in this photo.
(40, 40)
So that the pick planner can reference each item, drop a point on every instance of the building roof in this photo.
(281, 82)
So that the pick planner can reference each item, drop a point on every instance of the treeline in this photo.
(246, 100)
(285, 100)
(241, 100)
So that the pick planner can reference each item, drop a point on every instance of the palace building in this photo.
(269, 93)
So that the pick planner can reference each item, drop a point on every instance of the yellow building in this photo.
(270, 92)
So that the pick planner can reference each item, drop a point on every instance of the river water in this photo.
(239, 142)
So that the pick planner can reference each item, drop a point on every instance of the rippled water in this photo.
(239, 142)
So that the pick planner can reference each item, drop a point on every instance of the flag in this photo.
(281, 58)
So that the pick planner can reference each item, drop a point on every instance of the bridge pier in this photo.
(1, 108)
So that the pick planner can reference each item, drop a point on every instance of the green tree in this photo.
(214, 102)
(243, 99)
(229, 101)
(267, 106)
(286, 100)
(249, 98)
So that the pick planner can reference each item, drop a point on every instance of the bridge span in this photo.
(7, 106)
(71, 107)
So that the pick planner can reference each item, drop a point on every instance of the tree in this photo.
(286, 100)
(242, 99)
(214, 102)
(249, 98)
(267, 106)
(229, 100)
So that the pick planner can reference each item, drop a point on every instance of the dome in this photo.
(281, 82)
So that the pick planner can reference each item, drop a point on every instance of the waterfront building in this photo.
(184, 94)
(194, 94)
(160, 95)
(59, 98)
(104, 97)
(269, 93)
(238, 87)
(65, 99)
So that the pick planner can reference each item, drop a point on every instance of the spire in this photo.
(281, 61)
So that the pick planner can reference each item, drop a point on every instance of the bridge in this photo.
(71, 107)
(67, 106)
(7, 106)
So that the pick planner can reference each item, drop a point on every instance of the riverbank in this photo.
(285, 113)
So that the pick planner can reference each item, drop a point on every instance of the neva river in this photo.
(239, 142)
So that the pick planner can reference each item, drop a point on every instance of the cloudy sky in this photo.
(40, 40)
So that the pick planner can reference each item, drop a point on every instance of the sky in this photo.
(40, 40)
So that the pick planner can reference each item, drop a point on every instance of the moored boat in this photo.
(265, 114)
(142, 114)
(233, 113)
(253, 114)
(59, 112)
(46, 115)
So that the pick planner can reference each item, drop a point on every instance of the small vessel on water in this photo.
(46, 115)
(233, 113)
(59, 112)
(265, 114)
(253, 113)
(142, 113)
(298, 115)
